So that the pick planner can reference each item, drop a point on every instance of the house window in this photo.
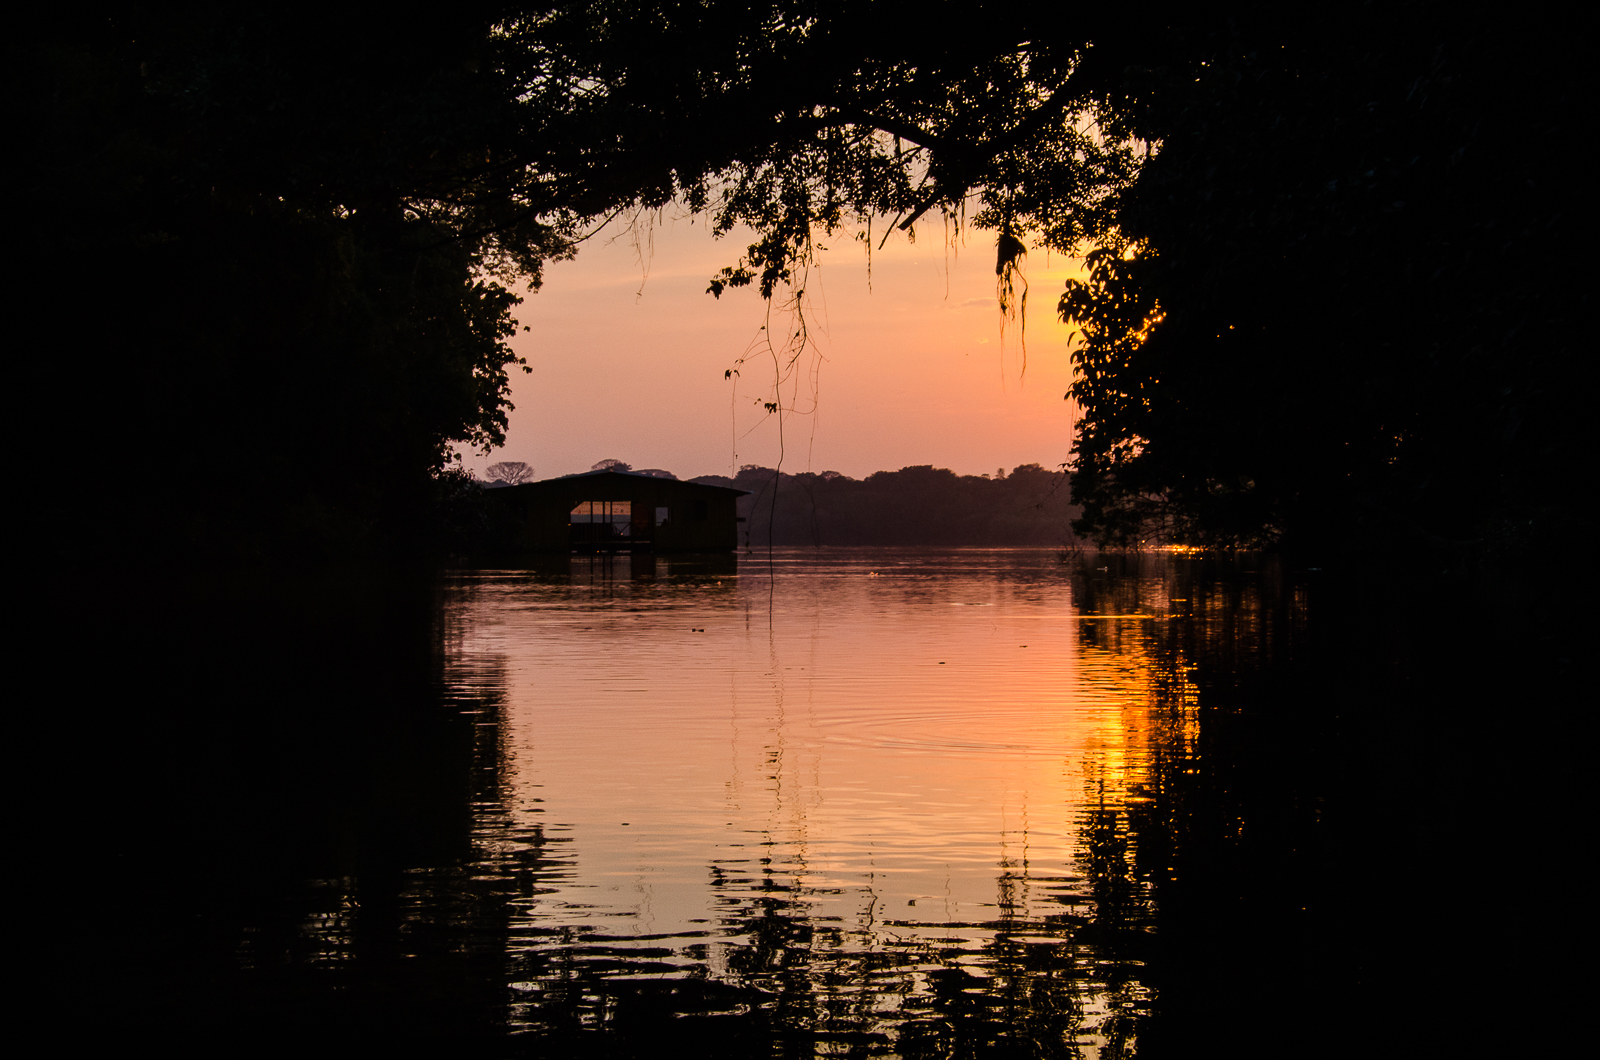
(619, 513)
(661, 516)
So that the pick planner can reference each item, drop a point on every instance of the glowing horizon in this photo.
(629, 355)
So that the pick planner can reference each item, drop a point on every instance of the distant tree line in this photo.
(921, 505)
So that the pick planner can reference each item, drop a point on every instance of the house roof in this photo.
(610, 477)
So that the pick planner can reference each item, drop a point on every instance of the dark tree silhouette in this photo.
(1324, 295)
(252, 247)
(920, 505)
(510, 472)
(1325, 301)
(1337, 307)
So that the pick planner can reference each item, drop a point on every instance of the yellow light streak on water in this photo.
(894, 758)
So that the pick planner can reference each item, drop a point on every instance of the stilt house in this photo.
(607, 511)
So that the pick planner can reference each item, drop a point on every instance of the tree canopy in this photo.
(1325, 298)
(1323, 290)
(1341, 303)
(259, 250)
(510, 472)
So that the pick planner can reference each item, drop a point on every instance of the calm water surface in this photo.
(845, 802)
(856, 784)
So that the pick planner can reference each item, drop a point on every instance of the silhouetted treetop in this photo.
(510, 472)
(1288, 330)
(920, 505)
(311, 235)
(1339, 307)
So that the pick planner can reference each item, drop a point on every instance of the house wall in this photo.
(685, 532)
(540, 511)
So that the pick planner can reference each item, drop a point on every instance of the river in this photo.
(920, 803)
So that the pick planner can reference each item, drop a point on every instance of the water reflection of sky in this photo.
(905, 751)
(1195, 809)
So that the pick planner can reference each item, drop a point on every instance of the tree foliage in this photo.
(258, 253)
(1340, 306)
(1321, 286)
(799, 120)
(510, 472)
(1323, 297)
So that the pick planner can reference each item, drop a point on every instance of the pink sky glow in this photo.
(629, 360)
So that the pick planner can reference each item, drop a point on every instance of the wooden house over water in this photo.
(611, 511)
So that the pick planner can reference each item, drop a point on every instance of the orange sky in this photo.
(912, 371)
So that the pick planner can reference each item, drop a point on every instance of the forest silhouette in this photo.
(921, 505)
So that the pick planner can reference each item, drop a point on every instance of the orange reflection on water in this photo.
(911, 740)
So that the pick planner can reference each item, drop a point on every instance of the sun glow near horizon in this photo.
(908, 362)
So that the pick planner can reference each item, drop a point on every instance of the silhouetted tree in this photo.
(1336, 305)
(311, 235)
(510, 472)
(1322, 289)
(1290, 330)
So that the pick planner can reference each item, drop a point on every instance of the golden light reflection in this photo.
(919, 755)
(888, 745)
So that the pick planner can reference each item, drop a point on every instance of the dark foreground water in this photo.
(845, 803)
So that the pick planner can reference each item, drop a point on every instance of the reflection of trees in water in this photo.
(771, 974)
(1233, 883)
(1258, 844)
(292, 819)
(409, 946)
(1166, 812)
(452, 936)
(1245, 887)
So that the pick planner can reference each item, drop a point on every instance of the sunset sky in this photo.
(628, 361)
